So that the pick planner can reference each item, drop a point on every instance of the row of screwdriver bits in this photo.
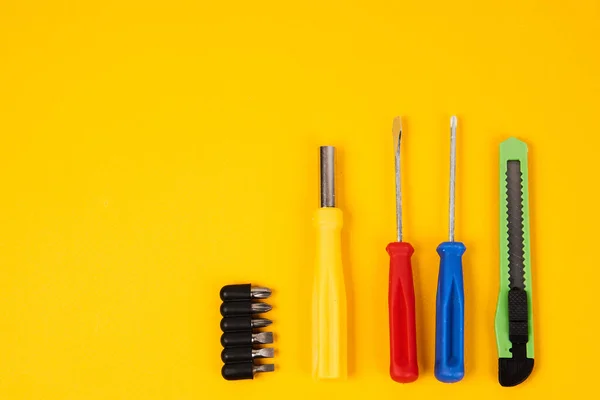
(240, 338)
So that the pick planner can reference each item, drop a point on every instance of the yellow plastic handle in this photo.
(330, 341)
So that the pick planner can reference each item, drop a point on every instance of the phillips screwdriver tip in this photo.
(453, 122)
(259, 308)
(261, 322)
(260, 292)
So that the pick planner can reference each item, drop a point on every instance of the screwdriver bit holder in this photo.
(241, 339)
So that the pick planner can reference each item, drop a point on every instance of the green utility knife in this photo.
(514, 318)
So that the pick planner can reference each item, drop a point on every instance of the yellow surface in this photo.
(330, 306)
(153, 151)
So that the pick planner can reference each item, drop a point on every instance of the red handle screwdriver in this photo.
(401, 295)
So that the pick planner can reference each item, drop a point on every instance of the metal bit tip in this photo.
(260, 292)
(263, 338)
(261, 322)
(264, 368)
(263, 353)
(453, 122)
(258, 308)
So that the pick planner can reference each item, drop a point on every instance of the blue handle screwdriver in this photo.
(450, 302)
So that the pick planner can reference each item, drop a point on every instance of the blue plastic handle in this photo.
(450, 315)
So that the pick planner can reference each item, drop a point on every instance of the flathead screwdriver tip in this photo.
(267, 352)
(264, 368)
(263, 338)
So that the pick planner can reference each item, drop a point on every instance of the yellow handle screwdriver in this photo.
(330, 341)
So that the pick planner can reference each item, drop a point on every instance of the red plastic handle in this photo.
(401, 305)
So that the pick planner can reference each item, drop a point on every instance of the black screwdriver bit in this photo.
(233, 324)
(244, 370)
(243, 292)
(232, 339)
(239, 308)
(247, 353)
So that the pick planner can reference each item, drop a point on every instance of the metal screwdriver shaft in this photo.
(451, 211)
(397, 138)
(401, 293)
(327, 170)
(449, 336)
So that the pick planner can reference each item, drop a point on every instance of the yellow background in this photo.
(153, 151)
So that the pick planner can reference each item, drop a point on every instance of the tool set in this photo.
(514, 317)
(239, 338)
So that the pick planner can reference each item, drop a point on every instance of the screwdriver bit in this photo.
(243, 292)
(238, 308)
(232, 324)
(247, 353)
(230, 339)
(244, 370)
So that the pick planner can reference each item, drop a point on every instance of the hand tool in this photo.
(244, 292)
(246, 353)
(514, 316)
(238, 308)
(450, 303)
(244, 370)
(233, 324)
(401, 294)
(231, 339)
(329, 292)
